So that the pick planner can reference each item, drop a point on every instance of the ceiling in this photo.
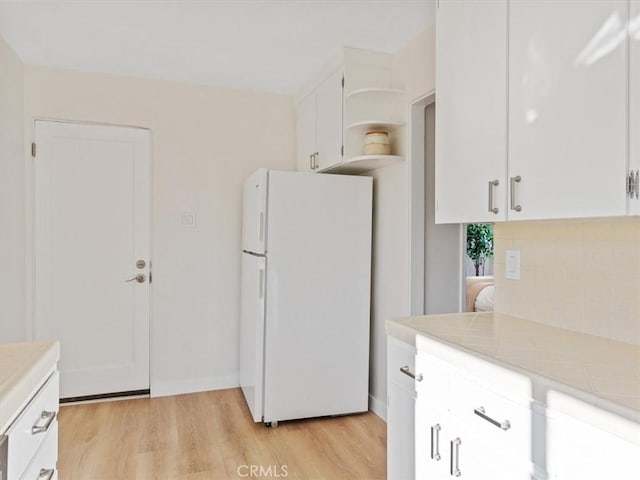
(273, 46)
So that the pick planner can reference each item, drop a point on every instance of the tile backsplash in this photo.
(579, 275)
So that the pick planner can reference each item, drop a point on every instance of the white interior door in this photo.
(92, 225)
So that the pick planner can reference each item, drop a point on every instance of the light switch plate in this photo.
(512, 265)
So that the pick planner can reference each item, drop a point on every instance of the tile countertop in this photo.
(600, 371)
(23, 366)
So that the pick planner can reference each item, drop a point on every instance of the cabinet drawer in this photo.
(494, 423)
(43, 465)
(30, 429)
(401, 356)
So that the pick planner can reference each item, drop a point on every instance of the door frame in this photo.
(417, 189)
(30, 220)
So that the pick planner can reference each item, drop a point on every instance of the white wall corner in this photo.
(378, 407)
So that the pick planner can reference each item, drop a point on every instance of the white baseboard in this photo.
(378, 407)
(193, 385)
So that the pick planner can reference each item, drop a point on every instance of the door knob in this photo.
(140, 278)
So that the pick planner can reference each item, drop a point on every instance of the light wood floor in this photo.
(211, 436)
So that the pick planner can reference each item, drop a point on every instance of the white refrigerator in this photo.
(305, 295)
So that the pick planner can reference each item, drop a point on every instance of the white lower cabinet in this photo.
(401, 398)
(33, 437)
(464, 430)
(576, 449)
(476, 419)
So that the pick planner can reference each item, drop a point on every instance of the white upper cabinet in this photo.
(634, 118)
(471, 116)
(306, 131)
(537, 109)
(329, 115)
(354, 95)
(319, 125)
(567, 108)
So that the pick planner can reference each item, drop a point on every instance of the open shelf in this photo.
(367, 91)
(363, 163)
(374, 124)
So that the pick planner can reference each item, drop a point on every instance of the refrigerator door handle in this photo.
(261, 238)
(261, 285)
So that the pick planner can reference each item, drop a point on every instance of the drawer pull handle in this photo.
(455, 458)
(48, 418)
(435, 442)
(506, 425)
(407, 372)
(46, 473)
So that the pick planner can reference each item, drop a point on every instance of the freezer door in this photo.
(254, 212)
(252, 314)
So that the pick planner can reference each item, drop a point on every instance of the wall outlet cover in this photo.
(512, 265)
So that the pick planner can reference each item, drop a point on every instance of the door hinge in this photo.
(33, 149)
(342, 81)
(342, 150)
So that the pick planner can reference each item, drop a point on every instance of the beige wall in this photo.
(12, 198)
(413, 71)
(206, 140)
(579, 275)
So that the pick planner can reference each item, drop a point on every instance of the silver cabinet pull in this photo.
(455, 458)
(46, 473)
(636, 184)
(514, 181)
(48, 418)
(315, 160)
(311, 161)
(629, 184)
(492, 185)
(435, 442)
(140, 278)
(506, 425)
(407, 372)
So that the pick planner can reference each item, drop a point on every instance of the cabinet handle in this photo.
(636, 184)
(311, 161)
(506, 425)
(407, 372)
(435, 442)
(46, 473)
(514, 180)
(315, 160)
(455, 458)
(48, 418)
(492, 184)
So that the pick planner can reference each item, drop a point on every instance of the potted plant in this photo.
(479, 244)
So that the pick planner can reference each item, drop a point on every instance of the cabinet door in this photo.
(329, 98)
(306, 133)
(634, 83)
(432, 436)
(567, 108)
(400, 410)
(471, 114)
(400, 433)
(576, 449)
